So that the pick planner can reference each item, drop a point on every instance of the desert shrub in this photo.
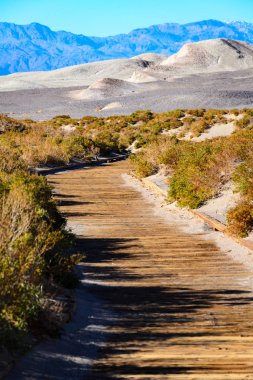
(240, 144)
(143, 168)
(28, 121)
(8, 124)
(24, 238)
(195, 178)
(63, 120)
(199, 126)
(58, 117)
(156, 128)
(10, 160)
(20, 259)
(169, 152)
(235, 112)
(143, 116)
(176, 114)
(243, 178)
(106, 141)
(33, 242)
(243, 122)
(88, 120)
(186, 193)
(240, 218)
(214, 113)
(47, 153)
(126, 138)
(248, 111)
(77, 146)
(196, 112)
(188, 120)
(175, 123)
(140, 142)
(198, 170)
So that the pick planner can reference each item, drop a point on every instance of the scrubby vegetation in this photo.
(198, 170)
(34, 245)
(33, 239)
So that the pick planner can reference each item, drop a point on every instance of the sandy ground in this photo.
(217, 130)
(218, 207)
(218, 90)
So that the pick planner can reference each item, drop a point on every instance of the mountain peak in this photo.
(210, 22)
(44, 49)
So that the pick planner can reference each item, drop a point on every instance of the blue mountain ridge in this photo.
(36, 47)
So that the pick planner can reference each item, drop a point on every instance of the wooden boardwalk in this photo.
(176, 306)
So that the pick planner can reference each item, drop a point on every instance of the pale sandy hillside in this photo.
(211, 55)
(202, 57)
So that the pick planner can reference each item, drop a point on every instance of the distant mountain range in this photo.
(35, 47)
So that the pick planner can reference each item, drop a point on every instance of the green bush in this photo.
(143, 168)
(243, 178)
(195, 177)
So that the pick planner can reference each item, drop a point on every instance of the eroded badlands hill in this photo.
(213, 74)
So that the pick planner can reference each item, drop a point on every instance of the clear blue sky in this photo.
(108, 17)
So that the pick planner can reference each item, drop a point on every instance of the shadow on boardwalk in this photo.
(144, 312)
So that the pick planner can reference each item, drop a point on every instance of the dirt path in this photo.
(172, 305)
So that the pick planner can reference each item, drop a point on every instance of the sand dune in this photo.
(110, 106)
(199, 75)
(105, 88)
(142, 77)
(212, 55)
(74, 76)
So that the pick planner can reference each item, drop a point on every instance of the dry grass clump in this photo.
(244, 122)
(198, 127)
(240, 218)
(8, 124)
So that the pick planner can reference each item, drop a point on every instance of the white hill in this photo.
(141, 74)
(211, 56)
(104, 88)
(74, 76)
